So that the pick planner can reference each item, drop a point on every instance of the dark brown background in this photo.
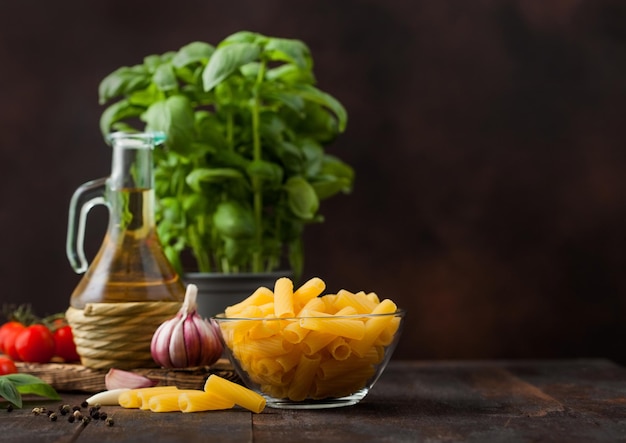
(488, 138)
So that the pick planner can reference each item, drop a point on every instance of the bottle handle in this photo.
(87, 196)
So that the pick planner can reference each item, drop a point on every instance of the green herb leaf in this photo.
(175, 117)
(233, 220)
(9, 392)
(12, 386)
(289, 50)
(311, 93)
(211, 175)
(302, 198)
(123, 81)
(164, 78)
(192, 53)
(226, 60)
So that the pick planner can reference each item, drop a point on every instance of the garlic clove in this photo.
(107, 398)
(118, 378)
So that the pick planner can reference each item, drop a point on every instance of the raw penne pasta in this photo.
(315, 341)
(264, 329)
(265, 347)
(359, 301)
(164, 402)
(294, 333)
(203, 401)
(259, 297)
(146, 396)
(240, 395)
(283, 298)
(343, 327)
(303, 378)
(131, 399)
(309, 290)
(339, 349)
(289, 360)
(314, 305)
(374, 326)
(266, 366)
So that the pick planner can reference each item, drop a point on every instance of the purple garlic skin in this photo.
(186, 340)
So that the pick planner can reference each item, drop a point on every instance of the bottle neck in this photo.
(130, 188)
(131, 167)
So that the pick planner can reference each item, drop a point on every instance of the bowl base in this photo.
(325, 403)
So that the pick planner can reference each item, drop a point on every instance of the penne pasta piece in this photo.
(131, 399)
(259, 297)
(165, 402)
(358, 301)
(348, 328)
(339, 349)
(303, 378)
(294, 333)
(265, 347)
(374, 326)
(309, 290)
(315, 341)
(283, 298)
(203, 401)
(240, 395)
(146, 396)
(314, 305)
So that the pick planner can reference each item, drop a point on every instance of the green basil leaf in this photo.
(289, 50)
(211, 175)
(192, 53)
(116, 112)
(328, 186)
(233, 220)
(311, 93)
(265, 171)
(226, 60)
(244, 37)
(292, 101)
(290, 74)
(9, 392)
(40, 389)
(175, 117)
(331, 165)
(165, 79)
(302, 198)
(123, 81)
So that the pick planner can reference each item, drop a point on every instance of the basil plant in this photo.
(244, 166)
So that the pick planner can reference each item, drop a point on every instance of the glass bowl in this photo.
(311, 362)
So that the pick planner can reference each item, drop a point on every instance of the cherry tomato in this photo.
(35, 344)
(7, 366)
(4, 330)
(9, 341)
(64, 344)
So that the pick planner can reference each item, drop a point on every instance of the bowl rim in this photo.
(397, 313)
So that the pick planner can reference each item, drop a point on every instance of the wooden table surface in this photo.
(429, 401)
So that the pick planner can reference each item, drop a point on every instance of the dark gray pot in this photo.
(218, 291)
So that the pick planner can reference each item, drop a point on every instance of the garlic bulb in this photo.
(118, 378)
(187, 340)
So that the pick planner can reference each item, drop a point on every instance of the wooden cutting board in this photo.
(77, 378)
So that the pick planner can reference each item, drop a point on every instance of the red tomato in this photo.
(64, 344)
(9, 341)
(4, 331)
(35, 344)
(7, 366)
